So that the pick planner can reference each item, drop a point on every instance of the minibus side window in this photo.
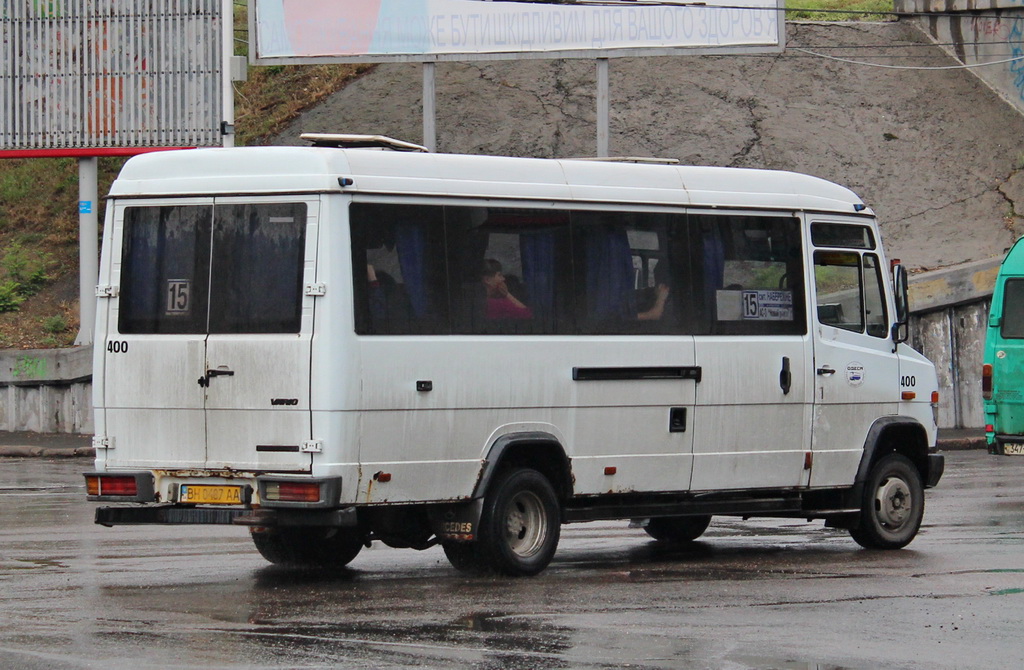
(1012, 326)
(850, 293)
(398, 269)
(256, 278)
(165, 265)
(631, 272)
(837, 276)
(876, 316)
(751, 274)
(507, 268)
(842, 235)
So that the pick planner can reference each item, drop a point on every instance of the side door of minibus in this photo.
(156, 265)
(752, 422)
(256, 375)
(856, 376)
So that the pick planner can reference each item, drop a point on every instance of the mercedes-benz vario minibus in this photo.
(339, 344)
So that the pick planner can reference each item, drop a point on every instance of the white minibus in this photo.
(359, 341)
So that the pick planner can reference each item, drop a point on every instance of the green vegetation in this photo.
(840, 10)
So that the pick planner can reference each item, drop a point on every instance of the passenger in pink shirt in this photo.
(501, 304)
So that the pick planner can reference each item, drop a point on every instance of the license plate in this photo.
(1016, 448)
(210, 495)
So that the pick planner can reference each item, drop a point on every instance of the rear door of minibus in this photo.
(207, 354)
(257, 364)
(154, 347)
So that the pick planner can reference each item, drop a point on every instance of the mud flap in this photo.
(457, 522)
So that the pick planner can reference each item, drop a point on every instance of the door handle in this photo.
(785, 376)
(823, 371)
(204, 381)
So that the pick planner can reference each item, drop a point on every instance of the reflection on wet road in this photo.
(755, 594)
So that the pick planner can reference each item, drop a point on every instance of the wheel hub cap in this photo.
(893, 503)
(525, 524)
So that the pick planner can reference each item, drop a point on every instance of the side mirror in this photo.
(900, 329)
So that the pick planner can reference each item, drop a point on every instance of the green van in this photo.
(1002, 379)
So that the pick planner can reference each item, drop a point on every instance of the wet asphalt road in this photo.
(758, 594)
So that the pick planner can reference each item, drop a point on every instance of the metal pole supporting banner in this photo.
(88, 246)
(602, 107)
(429, 107)
(227, 85)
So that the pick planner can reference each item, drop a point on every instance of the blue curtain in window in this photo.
(714, 262)
(538, 254)
(411, 244)
(609, 275)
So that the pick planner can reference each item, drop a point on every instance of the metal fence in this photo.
(110, 73)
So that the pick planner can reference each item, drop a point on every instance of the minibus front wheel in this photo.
(892, 506)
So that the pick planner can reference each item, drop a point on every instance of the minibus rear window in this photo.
(194, 269)
(1013, 309)
(165, 267)
(256, 274)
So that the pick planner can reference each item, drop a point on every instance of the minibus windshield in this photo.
(1013, 309)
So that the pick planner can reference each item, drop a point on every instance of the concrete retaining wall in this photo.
(46, 390)
(949, 316)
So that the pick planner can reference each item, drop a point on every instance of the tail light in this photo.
(121, 487)
(305, 492)
(986, 381)
(301, 492)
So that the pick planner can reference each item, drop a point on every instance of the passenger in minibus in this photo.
(657, 296)
(501, 304)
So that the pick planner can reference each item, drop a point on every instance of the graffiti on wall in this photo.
(998, 38)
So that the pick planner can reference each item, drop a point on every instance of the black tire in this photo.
(519, 527)
(308, 547)
(464, 556)
(677, 529)
(893, 505)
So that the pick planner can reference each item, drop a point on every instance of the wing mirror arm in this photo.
(901, 328)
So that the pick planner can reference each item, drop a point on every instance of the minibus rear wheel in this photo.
(893, 505)
(677, 529)
(310, 547)
(520, 524)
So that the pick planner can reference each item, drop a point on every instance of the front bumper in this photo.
(936, 466)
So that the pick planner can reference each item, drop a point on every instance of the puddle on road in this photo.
(35, 564)
(764, 663)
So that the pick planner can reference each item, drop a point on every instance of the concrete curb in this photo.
(17, 451)
(962, 443)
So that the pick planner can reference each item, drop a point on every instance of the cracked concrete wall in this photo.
(937, 154)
